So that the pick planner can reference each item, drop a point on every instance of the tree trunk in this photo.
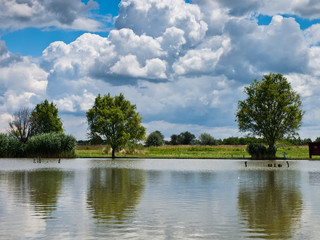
(272, 155)
(113, 153)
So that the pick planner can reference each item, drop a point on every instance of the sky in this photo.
(184, 64)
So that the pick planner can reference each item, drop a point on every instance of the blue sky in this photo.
(35, 40)
(184, 64)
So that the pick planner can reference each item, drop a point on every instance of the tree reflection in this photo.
(114, 193)
(270, 203)
(41, 188)
(45, 187)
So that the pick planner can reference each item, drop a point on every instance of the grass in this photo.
(204, 152)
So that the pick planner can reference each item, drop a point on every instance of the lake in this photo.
(159, 199)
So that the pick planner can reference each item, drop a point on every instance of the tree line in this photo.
(156, 138)
(37, 133)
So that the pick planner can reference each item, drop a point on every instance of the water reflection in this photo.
(41, 188)
(158, 199)
(314, 178)
(270, 203)
(114, 193)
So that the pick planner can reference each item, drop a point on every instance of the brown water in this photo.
(159, 199)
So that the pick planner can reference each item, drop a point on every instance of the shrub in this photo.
(259, 151)
(4, 143)
(271, 152)
(256, 150)
(15, 148)
(44, 144)
(68, 144)
(51, 145)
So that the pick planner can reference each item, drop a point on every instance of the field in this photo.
(204, 152)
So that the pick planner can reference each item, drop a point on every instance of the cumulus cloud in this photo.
(303, 8)
(154, 17)
(7, 58)
(76, 103)
(21, 81)
(312, 34)
(197, 61)
(277, 47)
(72, 14)
(307, 9)
(75, 125)
(5, 118)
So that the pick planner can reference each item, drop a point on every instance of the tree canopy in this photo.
(184, 138)
(45, 118)
(116, 119)
(207, 139)
(272, 109)
(155, 138)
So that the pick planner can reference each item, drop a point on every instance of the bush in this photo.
(44, 144)
(4, 143)
(256, 150)
(259, 151)
(51, 145)
(68, 144)
(15, 148)
(271, 152)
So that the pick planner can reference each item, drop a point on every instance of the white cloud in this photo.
(312, 34)
(302, 8)
(172, 40)
(198, 61)
(129, 65)
(21, 82)
(125, 42)
(75, 125)
(5, 118)
(23, 76)
(153, 17)
(76, 103)
(71, 14)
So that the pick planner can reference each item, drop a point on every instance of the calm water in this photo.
(158, 199)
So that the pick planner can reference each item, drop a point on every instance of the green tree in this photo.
(116, 119)
(186, 138)
(272, 109)
(96, 140)
(45, 118)
(174, 139)
(21, 125)
(207, 139)
(155, 139)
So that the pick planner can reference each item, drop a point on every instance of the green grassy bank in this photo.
(205, 152)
